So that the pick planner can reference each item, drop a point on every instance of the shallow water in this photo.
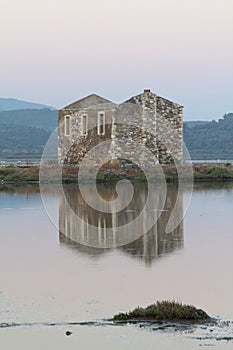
(55, 274)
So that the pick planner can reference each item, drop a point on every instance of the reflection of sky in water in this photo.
(44, 280)
(17, 201)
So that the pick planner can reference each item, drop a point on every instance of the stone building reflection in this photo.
(152, 245)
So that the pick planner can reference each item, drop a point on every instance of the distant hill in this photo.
(211, 140)
(25, 132)
(191, 124)
(41, 118)
(19, 139)
(9, 104)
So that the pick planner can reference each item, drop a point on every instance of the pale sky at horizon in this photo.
(55, 52)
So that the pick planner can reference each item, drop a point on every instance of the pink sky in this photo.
(54, 52)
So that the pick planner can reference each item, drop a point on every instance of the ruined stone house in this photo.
(146, 129)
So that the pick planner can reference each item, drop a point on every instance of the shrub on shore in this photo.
(164, 311)
(17, 174)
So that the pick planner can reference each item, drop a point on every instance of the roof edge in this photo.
(104, 100)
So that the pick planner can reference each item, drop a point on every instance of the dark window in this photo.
(67, 125)
(101, 123)
(84, 125)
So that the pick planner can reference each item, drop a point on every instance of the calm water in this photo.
(58, 273)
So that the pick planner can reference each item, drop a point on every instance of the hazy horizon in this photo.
(56, 52)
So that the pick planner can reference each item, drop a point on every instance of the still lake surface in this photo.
(53, 274)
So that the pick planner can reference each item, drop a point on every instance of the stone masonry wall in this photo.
(72, 149)
(169, 131)
(146, 128)
(135, 133)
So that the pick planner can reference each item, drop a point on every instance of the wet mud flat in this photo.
(207, 333)
(213, 329)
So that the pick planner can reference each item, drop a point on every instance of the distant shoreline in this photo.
(201, 172)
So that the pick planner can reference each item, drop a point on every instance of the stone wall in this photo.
(146, 129)
(72, 149)
(135, 135)
(169, 131)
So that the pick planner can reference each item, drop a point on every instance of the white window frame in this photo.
(100, 115)
(82, 124)
(67, 131)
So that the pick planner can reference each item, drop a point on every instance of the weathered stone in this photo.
(143, 123)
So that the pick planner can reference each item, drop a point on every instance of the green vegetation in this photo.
(191, 124)
(211, 140)
(108, 176)
(218, 172)
(24, 133)
(39, 118)
(204, 172)
(19, 139)
(164, 311)
(16, 174)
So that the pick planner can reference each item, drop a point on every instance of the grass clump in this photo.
(17, 174)
(7, 172)
(219, 172)
(108, 176)
(164, 311)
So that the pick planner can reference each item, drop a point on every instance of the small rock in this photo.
(68, 333)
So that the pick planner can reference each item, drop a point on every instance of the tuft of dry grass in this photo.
(166, 311)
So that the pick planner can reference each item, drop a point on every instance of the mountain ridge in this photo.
(10, 104)
(40, 118)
